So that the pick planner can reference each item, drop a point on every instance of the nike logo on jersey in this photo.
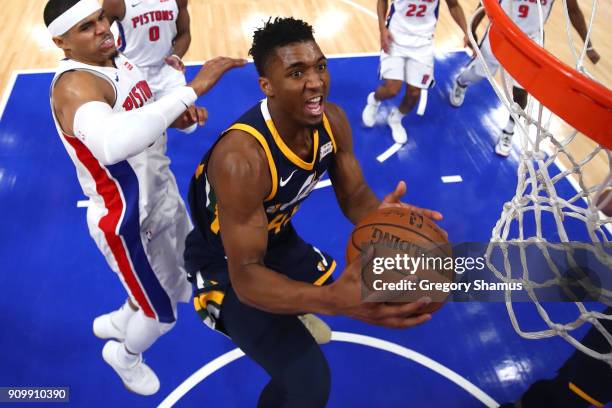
(283, 183)
(136, 4)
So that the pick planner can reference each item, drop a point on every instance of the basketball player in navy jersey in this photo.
(112, 129)
(253, 274)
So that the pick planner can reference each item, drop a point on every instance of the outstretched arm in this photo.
(579, 24)
(354, 196)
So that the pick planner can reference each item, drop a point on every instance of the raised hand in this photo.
(393, 199)
(212, 71)
(175, 62)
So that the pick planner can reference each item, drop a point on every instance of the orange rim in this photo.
(580, 101)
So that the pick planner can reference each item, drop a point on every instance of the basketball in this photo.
(397, 232)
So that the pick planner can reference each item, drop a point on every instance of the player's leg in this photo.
(392, 72)
(419, 75)
(299, 373)
(581, 382)
(473, 72)
(504, 143)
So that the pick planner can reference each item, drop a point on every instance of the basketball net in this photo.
(546, 162)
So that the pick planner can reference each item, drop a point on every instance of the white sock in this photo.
(395, 116)
(126, 359)
(372, 99)
(120, 318)
(509, 126)
(468, 76)
(142, 331)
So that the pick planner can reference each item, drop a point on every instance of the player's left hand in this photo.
(193, 114)
(393, 199)
(593, 55)
(175, 62)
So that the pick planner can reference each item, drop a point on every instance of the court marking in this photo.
(361, 8)
(452, 179)
(389, 152)
(323, 183)
(215, 365)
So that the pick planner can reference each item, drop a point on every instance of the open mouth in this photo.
(314, 106)
(107, 43)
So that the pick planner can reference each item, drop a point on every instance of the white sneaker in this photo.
(104, 328)
(504, 144)
(317, 328)
(369, 112)
(394, 120)
(138, 378)
(457, 94)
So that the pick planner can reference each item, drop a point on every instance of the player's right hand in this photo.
(385, 39)
(212, 71)
(346, 297)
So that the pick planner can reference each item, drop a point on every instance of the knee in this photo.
(412, 93)
(393, 88)
(311, 385)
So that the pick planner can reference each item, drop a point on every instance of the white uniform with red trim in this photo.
(526, 15)
(411, 58)
(146, 33)
(136, 215)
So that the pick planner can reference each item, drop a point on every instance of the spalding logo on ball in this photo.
(404, 239)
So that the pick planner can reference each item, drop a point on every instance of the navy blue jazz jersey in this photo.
(293, 180)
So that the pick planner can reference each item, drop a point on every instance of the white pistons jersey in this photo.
(526, 15)
(135, 211)
(412, 22)
(147, 30)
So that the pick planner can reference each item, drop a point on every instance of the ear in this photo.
(60, 42)
(266, 86)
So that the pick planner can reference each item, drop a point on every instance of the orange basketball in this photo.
(418, 248)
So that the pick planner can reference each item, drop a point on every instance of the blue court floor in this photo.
(54, 281)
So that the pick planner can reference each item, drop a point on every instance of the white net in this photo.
(562, 192)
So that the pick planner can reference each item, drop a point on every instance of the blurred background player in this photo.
(253, 274)
(113, 131)
(406, 39)
(526, 16)
(155, 35)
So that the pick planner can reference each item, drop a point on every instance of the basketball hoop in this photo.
(555, 89)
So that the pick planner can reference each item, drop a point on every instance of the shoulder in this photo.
(339, 124)
(239, 157)
(82, 85)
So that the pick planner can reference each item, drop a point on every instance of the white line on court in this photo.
(452, 179)
(361, 8)
(83, 203)
(368, 341)
(7, 92)
(323, 183)
(389, 152)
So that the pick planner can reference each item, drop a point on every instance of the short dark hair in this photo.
(56, 8)
(277, 33)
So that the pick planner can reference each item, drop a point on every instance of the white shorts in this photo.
(490, 60)
(163, 78)
(413, 65)
(152, 268)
